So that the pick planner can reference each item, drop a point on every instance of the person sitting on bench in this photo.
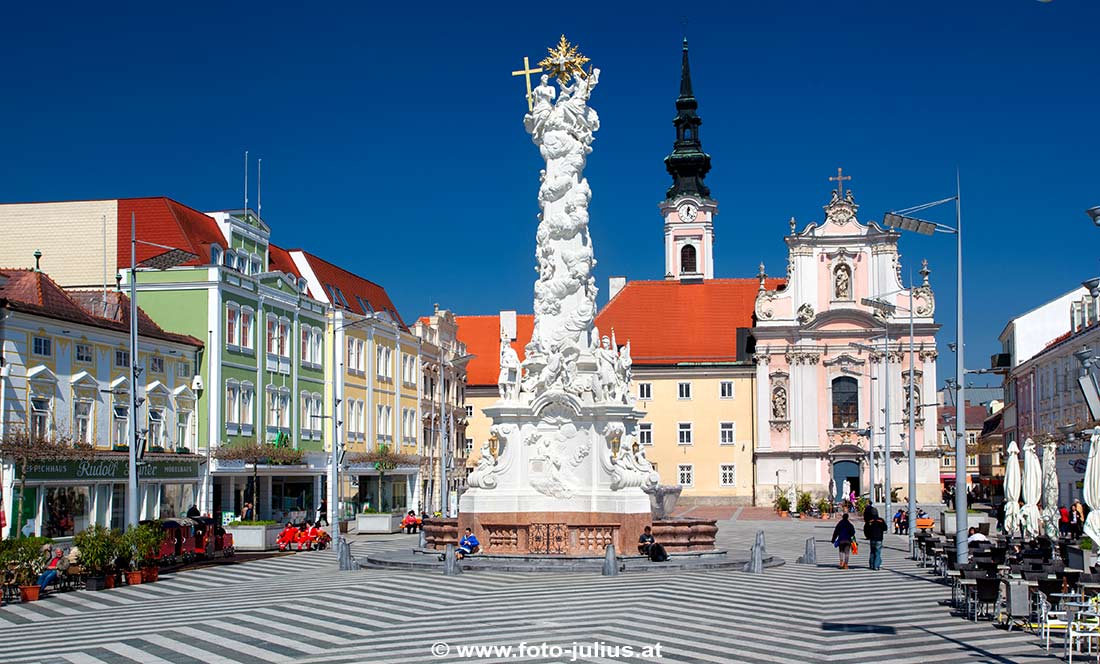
(468, 546)
(648, 546)
(410, 523)
(288, 537)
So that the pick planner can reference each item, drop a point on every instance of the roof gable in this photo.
(169, 223)
(347, 290)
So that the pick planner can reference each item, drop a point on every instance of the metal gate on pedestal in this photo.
(548, 538)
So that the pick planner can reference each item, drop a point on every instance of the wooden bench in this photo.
(926, 524)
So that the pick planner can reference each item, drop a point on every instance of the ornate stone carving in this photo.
(842, 282)
(927, 356)
(805, 313)
(840, 211)
(795, 356)
(764, 301)
(926, 303)
(779, 402)
(494, 458)
(627, 462)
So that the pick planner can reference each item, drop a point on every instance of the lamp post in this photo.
(902, 219)
(445, 443)
(886, 423)
(170, 258)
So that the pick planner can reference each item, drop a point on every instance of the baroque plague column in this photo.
(824, 362)
(562, 472)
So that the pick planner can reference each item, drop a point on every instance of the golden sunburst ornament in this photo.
(564, 61)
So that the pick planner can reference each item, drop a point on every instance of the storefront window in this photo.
(118, 506)
(176, 499)
(150, 501)
(67, 510)
(30, 509)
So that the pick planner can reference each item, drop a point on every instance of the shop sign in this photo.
(111, 469)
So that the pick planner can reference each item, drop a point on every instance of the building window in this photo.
(469, 412)
(725, 389)
(948, 460)
(971, 459)
(687, 259)
(727, 475)
(247, 323)
(645, 433)
(284, 338)
(156, 427)
(156, 364)
(232, 328)
(84, 353)
(120, 426)
(845, 403)
(183, 428)
(42, 346)
(247, 412)
(685, 473)
(40, 417)
(684, 432)
(685, 390)
(82, 421)
(469, 446)
(726, 433)
(122, 358)
(272, 336)
(645, 391)
(306, 350)
(183, 370)
(971, 438)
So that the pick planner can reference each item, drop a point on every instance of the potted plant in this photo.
(120, 448)
(132, 568)
(805, 503)
(99, 546)
(29, 560)
(182, 450)
(144, 542)
(782, 505)
(824, 506)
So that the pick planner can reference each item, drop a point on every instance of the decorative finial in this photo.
(37, 258)
(118, 281)
(793, 224)
(924, 271)
(564, 61)
(763, 275)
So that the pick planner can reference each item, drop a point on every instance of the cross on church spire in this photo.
(839, 178)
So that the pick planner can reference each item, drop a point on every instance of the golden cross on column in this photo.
(526, 73)
(839, 178)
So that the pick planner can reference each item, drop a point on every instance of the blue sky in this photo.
(393, 144)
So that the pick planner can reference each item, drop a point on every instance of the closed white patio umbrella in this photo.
(1032, 491)
(1050, 491)
(1012, 490)
(1092, 490)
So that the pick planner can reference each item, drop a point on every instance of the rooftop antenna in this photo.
(259, 179)
(104, 303)
(244, 212)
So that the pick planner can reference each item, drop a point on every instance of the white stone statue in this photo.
(626, 373)
(843, 289)
(508, 381)
(779, 403)
(607, 360)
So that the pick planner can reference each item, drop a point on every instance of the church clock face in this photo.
(687, 212)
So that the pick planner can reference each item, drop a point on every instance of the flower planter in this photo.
(255, 538)
(29, 593)
(182, 450)
(150, 574)
(133, 578)
(120, 448)
(95, 583)
(782, 514)
(110, 581)
(378, 523)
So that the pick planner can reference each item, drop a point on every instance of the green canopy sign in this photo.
(105, 469)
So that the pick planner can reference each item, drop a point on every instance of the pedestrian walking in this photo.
(843, 535)
(874, 530)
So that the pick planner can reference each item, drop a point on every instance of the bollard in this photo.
(810, 557)
(344, 557)
(610, 562)
(423, 543)
(760, 541)
(451, 566)
(756, 560)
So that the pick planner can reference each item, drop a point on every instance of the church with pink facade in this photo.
(833, 372)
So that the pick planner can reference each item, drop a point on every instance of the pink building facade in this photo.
(827, 364)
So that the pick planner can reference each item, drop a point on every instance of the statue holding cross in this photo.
(526, 72)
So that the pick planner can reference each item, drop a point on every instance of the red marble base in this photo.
(569, 533)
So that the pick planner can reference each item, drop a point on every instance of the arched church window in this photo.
(842, 283)
(845, 403)
(687, 259)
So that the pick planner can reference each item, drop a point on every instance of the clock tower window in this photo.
(688, 259)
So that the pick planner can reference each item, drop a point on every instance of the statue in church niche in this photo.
(607, 360)
(779, 403)
(626, 372)
(508, 381)
(842, 283)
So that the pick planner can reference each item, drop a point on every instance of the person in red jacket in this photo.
(410, 523)
(1063, 520)
(287, 537)
(305, 540)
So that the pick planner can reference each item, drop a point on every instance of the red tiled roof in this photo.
(668, 322)
(167, 222)
(360, 295)
(975, 416)
(34, 292)
(481, 334)
(281, 261)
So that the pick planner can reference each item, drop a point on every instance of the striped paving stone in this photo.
(300, 608)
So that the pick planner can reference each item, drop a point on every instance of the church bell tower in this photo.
(688, 208)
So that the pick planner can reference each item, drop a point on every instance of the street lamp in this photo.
(888, 308)
(444, 491)
(886, 411)
(1094, 214)
(904, 220)
(172, 257)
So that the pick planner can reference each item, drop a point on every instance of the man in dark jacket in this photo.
(874, 530)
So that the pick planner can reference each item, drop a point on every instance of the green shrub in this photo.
(781, 503)
(805, 501)
(861, 504)
(29, 559)
(143, 543)
(99, 547)
(824, 505)
(238, 524)
(1086, 544)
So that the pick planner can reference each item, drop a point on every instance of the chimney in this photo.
(614, 285)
